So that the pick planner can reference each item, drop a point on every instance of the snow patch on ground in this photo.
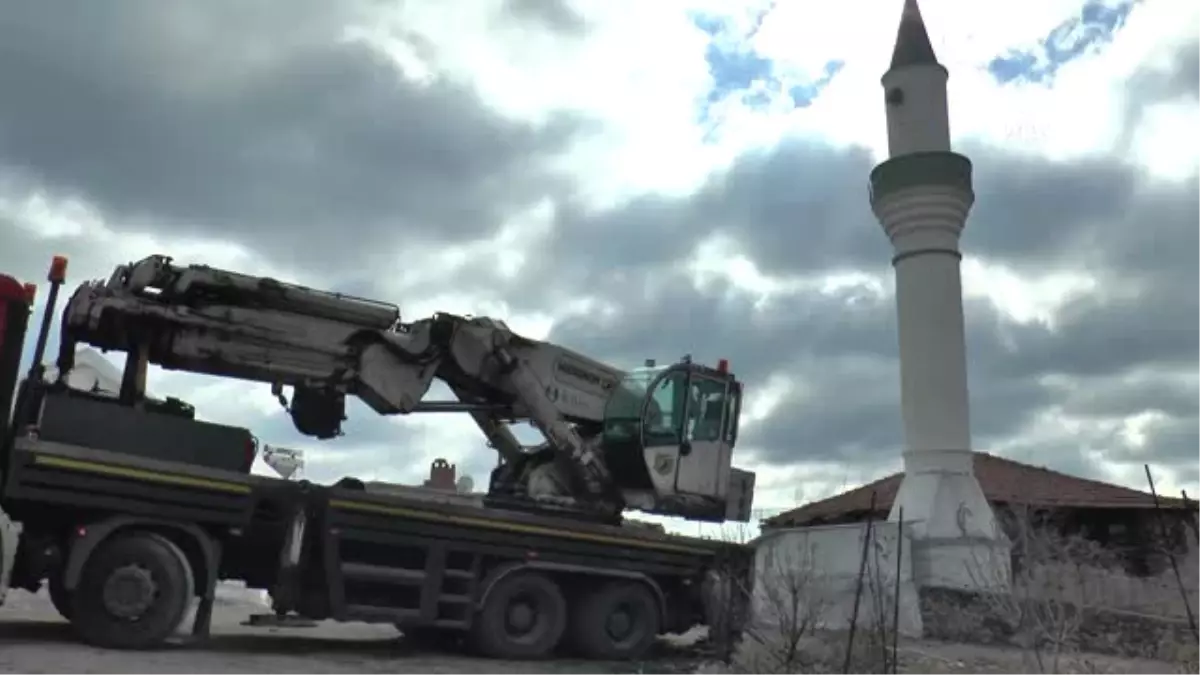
(236, 593)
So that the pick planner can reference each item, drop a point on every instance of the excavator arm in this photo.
(327, 346)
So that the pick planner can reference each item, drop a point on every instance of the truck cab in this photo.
(15, 301)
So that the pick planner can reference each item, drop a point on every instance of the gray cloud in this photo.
(272, 133)
(1036, 231)
(238, 121)
(1186, 70)
(800, 207)
(801, 210)
(1143, 392)
(674, 318)
(1180, 80)
(840, 349)
(556, 15)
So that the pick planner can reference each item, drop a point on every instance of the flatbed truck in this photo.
(131, 512)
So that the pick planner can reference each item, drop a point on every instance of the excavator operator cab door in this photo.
(688, 429)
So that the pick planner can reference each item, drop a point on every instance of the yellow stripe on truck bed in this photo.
(490, 524)
(138, 474)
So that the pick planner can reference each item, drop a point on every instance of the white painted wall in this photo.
(813, 571)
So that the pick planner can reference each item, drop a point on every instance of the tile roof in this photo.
(1002, 480)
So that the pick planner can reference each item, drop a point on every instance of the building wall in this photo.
(810, 575)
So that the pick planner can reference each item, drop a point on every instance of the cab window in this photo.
(733, 411)
(664, 420)
(707, 410)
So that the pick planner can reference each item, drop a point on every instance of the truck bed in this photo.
(46, 473)
(341, 553)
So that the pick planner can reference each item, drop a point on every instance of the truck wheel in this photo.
(132, 594)
(60, 597)
(523, 618)
(619, 620)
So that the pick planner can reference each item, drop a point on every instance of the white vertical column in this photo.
(922, 196)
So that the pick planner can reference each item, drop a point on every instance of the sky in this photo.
(646, 180)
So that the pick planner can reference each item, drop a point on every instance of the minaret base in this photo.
(955, 539)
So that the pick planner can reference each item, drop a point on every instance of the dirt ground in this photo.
(34, 639)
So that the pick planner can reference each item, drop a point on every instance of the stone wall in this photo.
(1111, 588)
(965, 616)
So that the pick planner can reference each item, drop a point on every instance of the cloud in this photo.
(280, 134)
(1093, 26)
(553, 14)
(612, 177)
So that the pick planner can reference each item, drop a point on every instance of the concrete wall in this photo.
(810, 575)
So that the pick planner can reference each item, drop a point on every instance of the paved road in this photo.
(33, 639)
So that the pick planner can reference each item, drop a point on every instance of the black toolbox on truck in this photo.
(164, 430)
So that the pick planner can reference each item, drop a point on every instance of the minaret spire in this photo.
(912, 40)
(922, 196)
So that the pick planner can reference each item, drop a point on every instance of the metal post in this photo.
(896, 590)
(862, 565)
(1162, 530)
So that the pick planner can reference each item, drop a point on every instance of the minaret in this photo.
(921, 196)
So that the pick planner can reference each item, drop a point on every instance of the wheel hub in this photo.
(619, 624)
(521, 617)
(129, 591)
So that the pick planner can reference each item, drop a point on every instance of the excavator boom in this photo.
(327, 346)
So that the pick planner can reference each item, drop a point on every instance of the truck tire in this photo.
(132, 594)
(619, 620)
(523, 617)
(60, 597)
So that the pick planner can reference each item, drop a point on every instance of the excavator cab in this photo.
(679, 423)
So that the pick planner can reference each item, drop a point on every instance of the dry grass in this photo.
(1043, 623)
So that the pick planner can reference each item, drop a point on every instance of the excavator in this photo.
(657, 438)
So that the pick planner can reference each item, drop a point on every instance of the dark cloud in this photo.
(1131, 394)
(1186, 77)
(1035, 230)
(557, 15)
(849, 412)
(672, 318)
(255, 123)
(799, 207)
(838, 347)
(234, 120)
(21, 252)
(1180, 78)
(802, 210)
